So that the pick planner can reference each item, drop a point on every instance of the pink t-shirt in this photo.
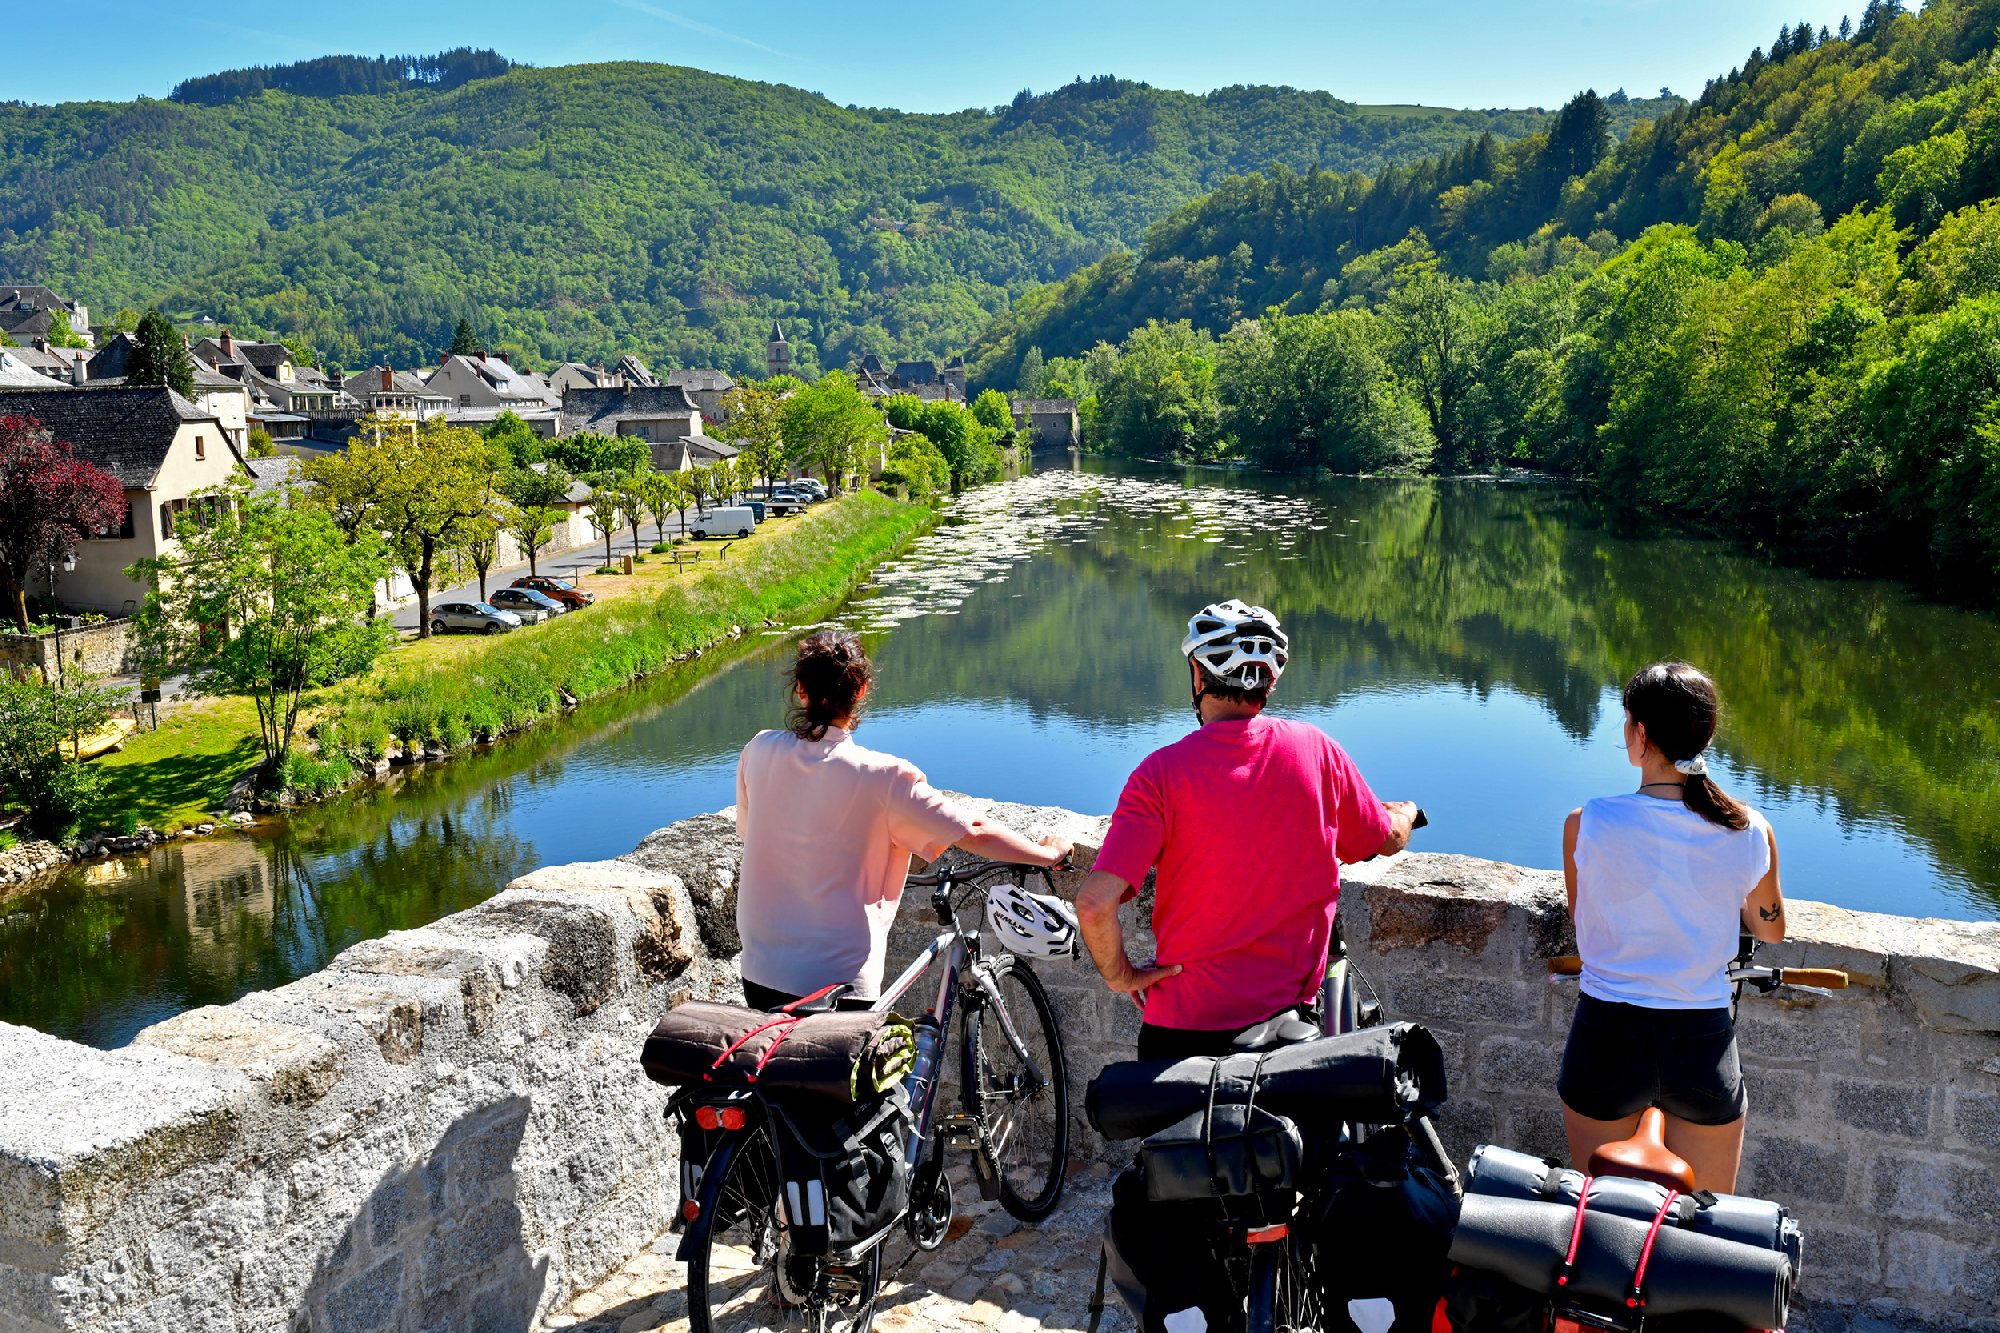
(1248, 821)
(828, 829)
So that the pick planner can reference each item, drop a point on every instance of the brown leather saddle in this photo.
(1645, 1156)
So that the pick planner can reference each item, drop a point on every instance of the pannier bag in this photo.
(1232, 1148)
(843, 1179)
(1166, 1258)
(1383, 1233)
(1372, 1076)
(841, 1057)
(1619, 1243)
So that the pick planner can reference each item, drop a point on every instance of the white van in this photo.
(729, 521)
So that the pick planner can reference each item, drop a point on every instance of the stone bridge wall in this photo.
(447, 1129)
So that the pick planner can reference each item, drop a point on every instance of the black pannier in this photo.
(843, 1179)
(1230, 1149)
(1384, 1232)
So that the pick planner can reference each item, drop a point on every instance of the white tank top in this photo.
(1659, 898)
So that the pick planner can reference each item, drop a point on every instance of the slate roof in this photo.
(777, 334)
(127, 432)
(912, 373)
(601, 410)
(1044, 406)
(635, 372)
(271, 474)
(16, 373)
(694, 381)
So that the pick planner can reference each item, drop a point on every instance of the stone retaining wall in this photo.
(447, 1129)
(100, 650)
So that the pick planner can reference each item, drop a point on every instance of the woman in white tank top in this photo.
(1661, 880)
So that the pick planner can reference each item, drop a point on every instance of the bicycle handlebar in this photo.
(1826, 978)
(976, 868)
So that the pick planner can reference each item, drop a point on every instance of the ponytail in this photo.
(1678, 706)
(830, 672)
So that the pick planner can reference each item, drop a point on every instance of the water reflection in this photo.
(1465, 641)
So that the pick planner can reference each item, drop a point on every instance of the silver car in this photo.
(475, 617)
(531, 606)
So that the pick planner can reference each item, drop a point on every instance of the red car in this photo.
(569, 595)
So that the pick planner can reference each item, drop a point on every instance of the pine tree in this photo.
(464, 342)
(162, 356)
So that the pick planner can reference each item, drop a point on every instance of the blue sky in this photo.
(944, 56)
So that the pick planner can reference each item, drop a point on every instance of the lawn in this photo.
(179, 775)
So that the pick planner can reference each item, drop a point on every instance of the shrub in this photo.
(311, 777)
(661, 548)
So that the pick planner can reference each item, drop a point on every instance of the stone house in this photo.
(664, 416)
(918, 379)
(380, 389)
(161, 447)
(1047, 421)
(705, 388)
(28, 311)
(480, 387)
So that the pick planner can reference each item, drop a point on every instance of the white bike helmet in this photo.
(1237, 645)
(1034, 925)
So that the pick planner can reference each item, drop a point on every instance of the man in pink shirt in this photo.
(1248, 820)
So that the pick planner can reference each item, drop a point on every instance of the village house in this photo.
(287, 400)
(481, 386)
(705, 389)
(161, 447)
(28, 312)
(664, 416)
(62, 365)
(918, 379)
(1047, 421)
(629, 373)
(380, 389)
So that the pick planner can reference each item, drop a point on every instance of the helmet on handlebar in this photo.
(1239, 646)
(1034, 925)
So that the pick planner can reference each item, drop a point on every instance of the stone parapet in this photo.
(448, 1129)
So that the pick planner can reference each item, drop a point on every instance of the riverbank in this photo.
(428, 698)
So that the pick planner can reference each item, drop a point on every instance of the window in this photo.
(200, 446)
(465, 400)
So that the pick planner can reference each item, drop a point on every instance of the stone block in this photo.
(368, 1303)
(82, 1131)
(1845, 1260)
(1464, 1123)
(1777, 1167)
(1928, 1188)
(582, 959)
(1953, 1275)
(1536, 1127)
(1976, 1119)
(1518, 1064)
(1769, 1034)
(668, 932)
(292, 1064)
(1896, 1109)
(1435, 997)
(1506, 914)
(468, 1249)
(705, 854)
(486, 967)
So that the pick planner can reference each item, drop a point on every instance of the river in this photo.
(1465, 641)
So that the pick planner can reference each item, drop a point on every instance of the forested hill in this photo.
(581, 211)
(1900, 110)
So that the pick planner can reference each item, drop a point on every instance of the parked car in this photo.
(785, 501)
(533, 607)
(568, 594)
(756, 508)
(477, 617)
(733, 521)
(810, 487)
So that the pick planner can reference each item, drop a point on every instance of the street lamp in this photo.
(68, 563)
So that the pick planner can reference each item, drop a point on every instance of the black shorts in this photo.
(763, 997)
(1623, 1058)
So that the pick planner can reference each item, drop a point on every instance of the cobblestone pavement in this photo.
(993, 1274)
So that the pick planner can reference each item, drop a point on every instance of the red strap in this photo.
(819, 994)
(1575, 1235)
(785, 1021)
(1638, 1296)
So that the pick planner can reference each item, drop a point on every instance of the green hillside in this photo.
(1774, 312)
(576, 212)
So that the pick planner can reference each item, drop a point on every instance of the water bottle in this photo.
(923, 1072)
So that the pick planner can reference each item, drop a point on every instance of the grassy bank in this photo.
(442, 693)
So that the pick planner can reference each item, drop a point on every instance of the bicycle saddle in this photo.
(1644, 1156)
(1269, 1035)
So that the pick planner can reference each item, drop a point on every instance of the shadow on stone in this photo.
(438, 1245)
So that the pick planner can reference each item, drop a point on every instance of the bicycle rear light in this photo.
(731, 1117)
(690, 1210)
(707, 1118)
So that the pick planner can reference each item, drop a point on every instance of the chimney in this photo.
(503, 358)
(78, 371)
(228, 346)
(443, 357)
(40, 344)
(388, 379)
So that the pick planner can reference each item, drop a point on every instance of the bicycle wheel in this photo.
(1018, 1086)
(1284, 1294)
(746, 1277)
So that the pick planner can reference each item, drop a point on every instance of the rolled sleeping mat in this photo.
(1506, 1174)
(841, 1056)
(1374, 1075)
(1524, 1242)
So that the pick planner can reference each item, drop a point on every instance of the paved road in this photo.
(563, 565)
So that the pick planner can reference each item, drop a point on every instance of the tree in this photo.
(515, 439)
(161, 357)
(632, 505)
(663, 492)
(752, 423)
(824, 424)
(586, 453)
(267, 598)
(260, 444)
(992, 411)
(534, 505)
(420, 489)
(1028, 380)
(1160, 395)
(481, 542)
(37, 719)
(60, 333)
(602, 512)
(679, 494)
(1434, 339)
(464, 342)
(50, 501)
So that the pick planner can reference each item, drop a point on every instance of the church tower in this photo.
(777, 354)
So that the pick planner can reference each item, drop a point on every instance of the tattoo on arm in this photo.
(1776, 913)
